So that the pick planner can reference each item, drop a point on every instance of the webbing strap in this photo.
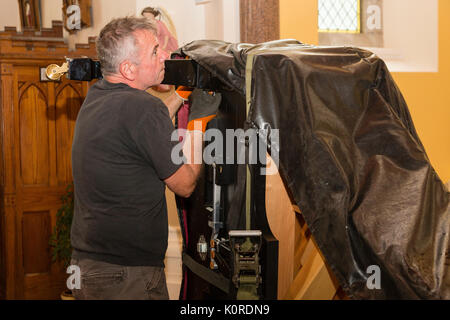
(216, 279)
(248, 98)
(247, 292)
(248, 287)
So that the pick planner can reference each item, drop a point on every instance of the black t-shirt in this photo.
(121, 152)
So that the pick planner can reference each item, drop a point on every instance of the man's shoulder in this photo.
(140, 97)
(146, 104)
(148, 98)
(121, 94)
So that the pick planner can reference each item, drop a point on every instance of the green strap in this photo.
(248, 97)
(248, 81)
(247, 292)
(247, 284)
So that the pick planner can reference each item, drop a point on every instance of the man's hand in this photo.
(203, 108)
(173, 103)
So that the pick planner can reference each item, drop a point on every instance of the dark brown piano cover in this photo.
(351, 158)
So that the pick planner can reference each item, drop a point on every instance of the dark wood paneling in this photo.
(33, 137)
(68, 103)
(260, 20)
(35, 236)
(34, 144)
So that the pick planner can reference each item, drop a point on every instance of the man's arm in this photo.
(203, 107)
(173, 103)
(184, 180)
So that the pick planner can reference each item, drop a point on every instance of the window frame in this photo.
(358, 23)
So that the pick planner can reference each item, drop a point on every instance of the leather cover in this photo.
(350, 157)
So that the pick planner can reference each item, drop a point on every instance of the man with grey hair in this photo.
(121, 160)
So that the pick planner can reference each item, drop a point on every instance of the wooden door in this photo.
(44, 119)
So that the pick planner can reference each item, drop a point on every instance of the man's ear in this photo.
(128, 70)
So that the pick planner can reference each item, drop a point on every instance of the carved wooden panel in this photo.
(35, 236)
(68, 103)
(6, 69)
(36, 121)
(10, 200)
(34, 135)
(7, 106)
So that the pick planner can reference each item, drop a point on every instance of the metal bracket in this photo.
(246, 245)
(55, 72)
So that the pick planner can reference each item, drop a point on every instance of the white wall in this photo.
(410, 35)
(103, 11)
(50, 10)
(231, 21)
(9, 14)
(222, 20)
(216, 19)
(189, 18)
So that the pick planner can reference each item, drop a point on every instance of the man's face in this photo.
(150, 71)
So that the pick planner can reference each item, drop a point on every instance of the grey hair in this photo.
(116, 42)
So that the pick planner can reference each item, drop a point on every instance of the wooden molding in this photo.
(42, 43)
(6, 69)
(32, 34)
(10, 200)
